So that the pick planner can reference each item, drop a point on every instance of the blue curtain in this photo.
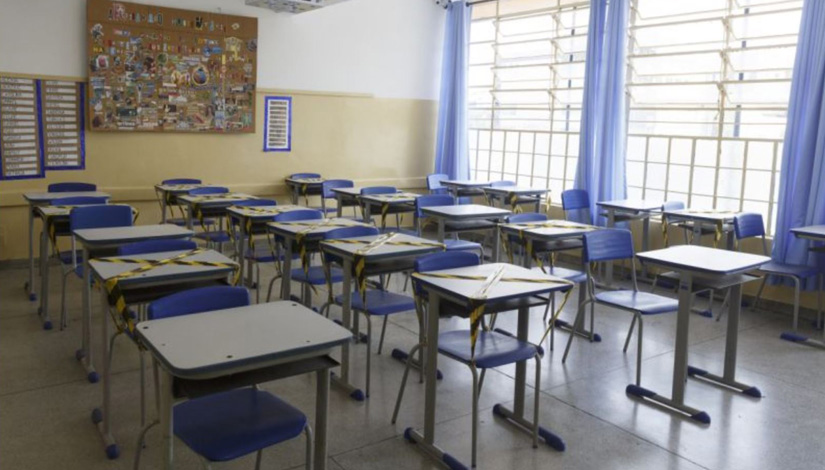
(802, 183)
(451, 155)
(601, 164)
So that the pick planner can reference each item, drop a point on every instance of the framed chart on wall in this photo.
(170, 70)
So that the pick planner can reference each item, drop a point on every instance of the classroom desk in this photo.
(382, 254)
(703, 218)
(551, 231)
(150, 285)
(45, 199)
(252, 221)
(168, 195)
(815, 233)
(388, 203)
(209, 205)
(722, 267)
(465, 187)
(104, 241)
(626, 210)
(515, 195)
(345, 197)
(262, 342)
(303, 187)
(311, 232)
(470, 215)
(502, 297)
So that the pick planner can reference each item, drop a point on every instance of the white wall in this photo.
(389, 48)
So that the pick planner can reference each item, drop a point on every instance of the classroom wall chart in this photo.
(278, 124)
(170, 70)
(42, 126)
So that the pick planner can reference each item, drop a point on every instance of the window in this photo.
(709, 87)
(525, 90)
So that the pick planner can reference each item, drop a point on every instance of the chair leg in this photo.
(258, 456)
(592, 321)
(383, 330)
(795, 302)
(310, 463)
(257, 283)
(412, 353)
(63, 313)
(759, 292)
(629, 334)
(142, 388)
(576, 324)
(271, 284)
(369, 351)
(475, 414)
(639, 353)
(536, 404)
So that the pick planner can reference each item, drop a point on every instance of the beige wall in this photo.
(359, 137)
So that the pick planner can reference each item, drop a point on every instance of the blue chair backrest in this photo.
(673, 206)
(256, 202)
(204, 299)
(502, 183)
(79, 201)
(434, 180)
(526, 217)
(574, 199)
(100, 216)
(181, 181)
(607, 245)
(208, 190)
(326, 187)
(379, 190)
(304, 175)
(748, 225)
(155, 246)
(432, 200)
(351, 232)
(444, 260)
(300, 214)
(71, 187)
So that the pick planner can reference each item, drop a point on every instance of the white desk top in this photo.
(289, 229)
(549, 230)
(465, 211)
(466, 183)
(633, 205)
(101, 237)
(516, 190)
(710, 215)
(307, 181)
(400, 246)
(813, 232)
(180, 188)
(462, 290)
(215, 199)
(212, 344)
(105, 270)
(351, 192)
(60, 211)
(46, 197)
(703, 260)
(261, 212)
(397, 198)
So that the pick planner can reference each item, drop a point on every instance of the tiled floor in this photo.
(45, 401)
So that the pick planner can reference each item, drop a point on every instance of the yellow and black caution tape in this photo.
(304, 188)
(665, 241)
(514, 205)
(300, 237)
(718, 228)
(115, 295)
(359, 262)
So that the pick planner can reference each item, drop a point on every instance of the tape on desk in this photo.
(115, 296)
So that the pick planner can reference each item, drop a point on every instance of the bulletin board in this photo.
(170, 70)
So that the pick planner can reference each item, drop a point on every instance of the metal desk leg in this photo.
(728, 380)
(84, 354)
(29, 286)
(242, 243)
(321, 410)
(645, 241)
(441, 229)
(102, 417)
(44, 281)
(339, 199)
(166, 416)
(346, 318)
(163, 207)
(189, 216)
(516, 415)
(496, 243)
(367, 212)
(286, 275)
(677, 402)
(608, 266)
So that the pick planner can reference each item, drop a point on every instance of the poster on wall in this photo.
(169, 70)
(20, 149)
(63, 123)
(278, 125)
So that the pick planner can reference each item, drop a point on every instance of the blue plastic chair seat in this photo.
(642, 302)
(228, 425)
(380, 302)
(66, 257)
(316, 276)
(492, 349)
(214, 237)
(567, 274)
(467, 225)
(181, 222)
(796, 270)
(462, 245)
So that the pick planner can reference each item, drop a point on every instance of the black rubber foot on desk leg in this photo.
(452, 463)
(705, 313)
(753, 392)
(97, 415)
(407, 436)
(402, 356)
(640, 392)
(93, 377)
(793, 337)
(47, 325)
(32, 297)
(694, 371)
(79, 354)
(552, 440)
(702, 417)
(112, 451)
(357, 395)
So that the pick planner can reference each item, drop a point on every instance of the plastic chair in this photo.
(609, 245)
(304, 175)
(155, 246)
(182, 181)
(502, 183)
(454, 244)
(492, 349)
(211, 237)
(84, 217)
(228, 425)
(328, 193)
(71, 187)
(751, 225)
(315, 274)
(379, 302)
(434, 183)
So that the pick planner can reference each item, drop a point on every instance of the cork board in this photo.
(170, 70)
